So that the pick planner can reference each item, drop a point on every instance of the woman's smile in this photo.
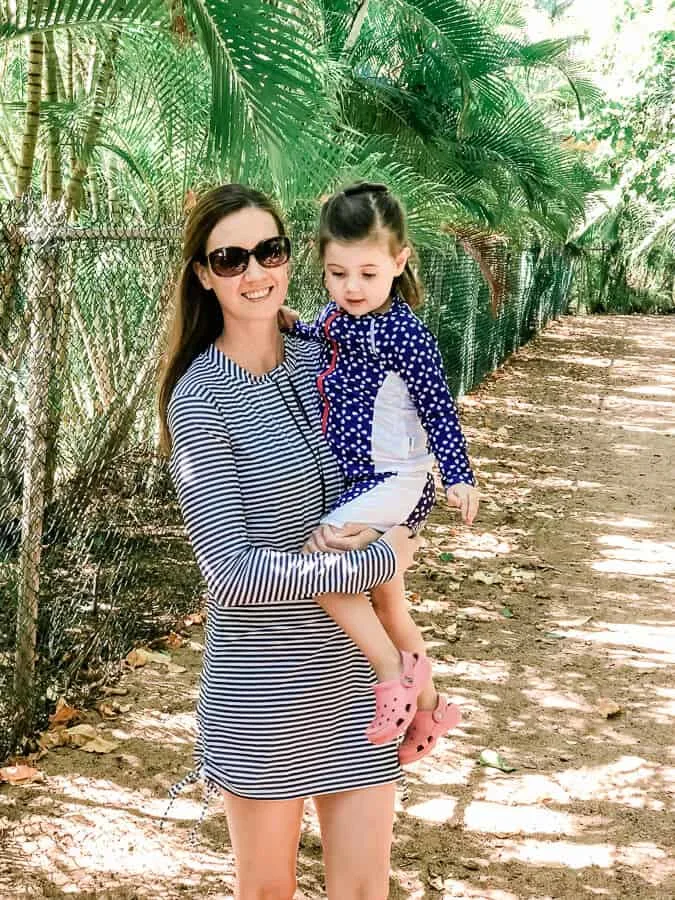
(258, 294)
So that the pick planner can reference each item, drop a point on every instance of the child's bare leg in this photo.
(356, 617)
(390, 605)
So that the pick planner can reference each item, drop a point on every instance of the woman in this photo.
(285, 696)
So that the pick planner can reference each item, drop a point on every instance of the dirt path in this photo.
(556, 609)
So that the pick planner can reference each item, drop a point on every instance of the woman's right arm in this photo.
(237, 573)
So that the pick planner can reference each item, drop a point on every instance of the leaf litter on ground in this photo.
(491, 759)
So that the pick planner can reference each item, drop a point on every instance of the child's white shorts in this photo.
(389, 503)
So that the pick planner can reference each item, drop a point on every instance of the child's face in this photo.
(359, 273)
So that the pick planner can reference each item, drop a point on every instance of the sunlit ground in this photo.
(552, 624)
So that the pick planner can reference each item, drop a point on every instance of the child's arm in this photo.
(417, 359)
(289, 321)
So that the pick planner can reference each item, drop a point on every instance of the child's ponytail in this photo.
(409, 287)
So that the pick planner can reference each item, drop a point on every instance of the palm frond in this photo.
(267, 76)
(57, 15)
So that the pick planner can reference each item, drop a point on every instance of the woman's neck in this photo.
(257, 347)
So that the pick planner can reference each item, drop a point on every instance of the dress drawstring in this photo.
(210, 790)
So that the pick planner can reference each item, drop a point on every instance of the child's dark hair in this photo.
(359, 212)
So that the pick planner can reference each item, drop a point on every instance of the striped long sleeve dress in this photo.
(285, 696)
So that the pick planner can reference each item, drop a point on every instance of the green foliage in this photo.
(628, 247)
(300, 97)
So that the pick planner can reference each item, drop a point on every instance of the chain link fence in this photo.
(92, 553)
(607, 279)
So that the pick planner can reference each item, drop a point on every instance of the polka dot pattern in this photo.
(358, 352)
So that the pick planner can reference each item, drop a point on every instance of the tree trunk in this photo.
(70, 73)
(357, 25)
(8, 284)
(103, 80)
(114, 429)
(60, 337)
(54, 182)
(7, 165)
(24, 170)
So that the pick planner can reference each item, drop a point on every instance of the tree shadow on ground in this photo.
(552, 623)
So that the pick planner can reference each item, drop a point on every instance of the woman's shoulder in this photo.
(198, 376)
(306, 353)
(196, 384)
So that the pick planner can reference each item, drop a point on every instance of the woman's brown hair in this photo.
(360, 212)
(198, 319)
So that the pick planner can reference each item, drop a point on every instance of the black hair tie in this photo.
(365, 187)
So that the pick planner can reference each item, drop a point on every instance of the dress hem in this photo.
(304, 795)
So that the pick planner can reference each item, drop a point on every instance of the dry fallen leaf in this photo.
(173, 669)
(486, 577)
(608, 708)
(195, 645)
(518, 574)
(99, 745)
(193, 619)
(49, 740)
(20, 774)
(113, 691)
(172, 640)
(106, 710)
(141, 656)
(451, 632)
(63, 714)
(80, 735)
(137, 658)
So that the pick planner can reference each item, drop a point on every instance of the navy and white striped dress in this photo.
(285, 696)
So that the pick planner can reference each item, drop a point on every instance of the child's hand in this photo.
(329, 539)
(465, 498)
(287, 317)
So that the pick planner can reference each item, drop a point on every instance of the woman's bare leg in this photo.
(265, 835)
(391, 608)
(356, 833)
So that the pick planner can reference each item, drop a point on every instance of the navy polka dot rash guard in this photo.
(358, 355)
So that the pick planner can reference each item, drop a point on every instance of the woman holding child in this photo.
(287, 707)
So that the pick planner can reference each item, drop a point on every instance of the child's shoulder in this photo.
(401, 327)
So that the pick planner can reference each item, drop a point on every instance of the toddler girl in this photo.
(384, 401)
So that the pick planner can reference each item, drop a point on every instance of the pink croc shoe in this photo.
(425, 729)
(396, 701)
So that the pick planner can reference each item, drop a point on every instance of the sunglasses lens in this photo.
(228, 261)
(273, 252)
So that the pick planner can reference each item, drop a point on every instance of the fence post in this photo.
(43, 301)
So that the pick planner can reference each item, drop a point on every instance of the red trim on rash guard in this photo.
(326, 372)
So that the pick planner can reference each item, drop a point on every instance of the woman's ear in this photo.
(401, 259)
(203, 274)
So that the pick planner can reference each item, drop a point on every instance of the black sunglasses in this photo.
(230, 261)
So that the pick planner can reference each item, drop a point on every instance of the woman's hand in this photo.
(404, 546)
(287, 317)
(465, 498)
(330, 539)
